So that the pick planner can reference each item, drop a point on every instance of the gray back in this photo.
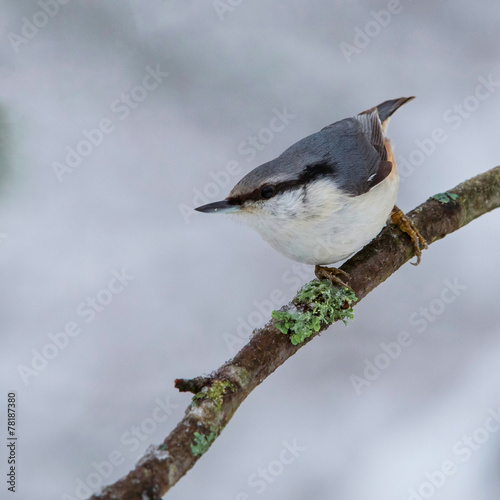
(342, 151)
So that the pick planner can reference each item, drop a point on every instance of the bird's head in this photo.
(282, 188)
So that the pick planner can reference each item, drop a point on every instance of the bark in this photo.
(221, 393)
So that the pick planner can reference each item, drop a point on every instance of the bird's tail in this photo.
(387, 108)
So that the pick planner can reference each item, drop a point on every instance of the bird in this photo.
(326, 196)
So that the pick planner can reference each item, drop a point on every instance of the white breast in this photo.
(320, 224)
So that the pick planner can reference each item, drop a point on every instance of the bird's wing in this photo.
(372, 128)
(357, 153)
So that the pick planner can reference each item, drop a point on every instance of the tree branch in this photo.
(219, 395)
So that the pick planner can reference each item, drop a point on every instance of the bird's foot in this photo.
(407, 226)
(332, 274)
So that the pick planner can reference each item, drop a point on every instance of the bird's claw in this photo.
(406, 225)
(331, 274)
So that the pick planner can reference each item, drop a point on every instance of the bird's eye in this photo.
(267, 192)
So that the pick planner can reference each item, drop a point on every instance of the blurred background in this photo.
(116, 119)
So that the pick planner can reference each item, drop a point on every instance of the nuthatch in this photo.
(326, 196)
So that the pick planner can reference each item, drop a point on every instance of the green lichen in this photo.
(325, 304)
(445, 197)
(202, 443)
(215, 392)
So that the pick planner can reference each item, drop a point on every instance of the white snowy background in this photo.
(126, 208)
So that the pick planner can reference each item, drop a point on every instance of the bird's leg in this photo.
(331, 273)
(407, 226)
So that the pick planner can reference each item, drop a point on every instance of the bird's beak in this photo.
(219, 207)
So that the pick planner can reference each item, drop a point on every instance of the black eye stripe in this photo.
(256, 195)
(310, 174)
